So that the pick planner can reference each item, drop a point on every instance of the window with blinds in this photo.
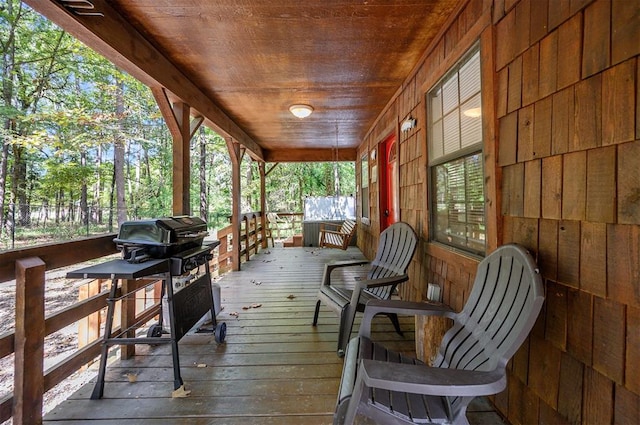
(455, 157)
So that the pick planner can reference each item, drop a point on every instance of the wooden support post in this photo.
(234, 154)
(263, 205)
(128, 317)
(181, 161)
(28, 380)
(182, 128)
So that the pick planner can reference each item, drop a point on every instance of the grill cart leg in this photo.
(177, 379)
(99, 387)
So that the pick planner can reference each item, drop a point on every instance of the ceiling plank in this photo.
(116, 39)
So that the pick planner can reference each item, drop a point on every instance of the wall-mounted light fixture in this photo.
(408, 124)
(300, 110)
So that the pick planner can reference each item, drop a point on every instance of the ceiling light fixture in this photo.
(301, 111)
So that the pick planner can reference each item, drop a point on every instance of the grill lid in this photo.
(162, 231)
(159, 238)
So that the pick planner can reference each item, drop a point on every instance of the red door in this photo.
(388, 182)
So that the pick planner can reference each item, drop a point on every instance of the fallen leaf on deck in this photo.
(234, 313)
(257, 305)
(180, 392)
(244, 307)
(291, 297)
(132, 377)
(201, 365)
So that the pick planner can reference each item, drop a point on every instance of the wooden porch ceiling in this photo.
(241, 64)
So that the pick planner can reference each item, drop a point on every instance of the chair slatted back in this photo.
(348, 227)
(396, 247)
(496, 318)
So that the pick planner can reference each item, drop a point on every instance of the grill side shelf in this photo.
(121, 269)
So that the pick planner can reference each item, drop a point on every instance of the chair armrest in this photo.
(422, 379)
(383, 281)
(333, 232)
(373, 283)
(334, 225)
(329, 267)
(403, 308)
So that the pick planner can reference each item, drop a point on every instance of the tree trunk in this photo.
(119, 157)
(58, 205)
(98, 188)
(112, 194)
(4, 159)
(19, 185)
(204, 207)
(84, 207)
(8, 61)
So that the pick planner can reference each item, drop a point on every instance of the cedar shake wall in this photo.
(561, 116)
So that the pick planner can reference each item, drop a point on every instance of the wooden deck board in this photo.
(273, 368)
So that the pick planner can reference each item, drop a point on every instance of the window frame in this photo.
(462, 152)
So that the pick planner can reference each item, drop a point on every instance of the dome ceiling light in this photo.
(301, 111)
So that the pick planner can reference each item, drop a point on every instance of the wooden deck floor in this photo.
(273, 368)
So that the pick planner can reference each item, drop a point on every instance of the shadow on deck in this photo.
(273, 368)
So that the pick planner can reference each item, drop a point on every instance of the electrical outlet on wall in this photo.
(434, 292)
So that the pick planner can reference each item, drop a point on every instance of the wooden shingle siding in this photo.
(542, 125)
(556, 315)
(597, 38)
(574, 185)
(626, 31)
(580, 326)
(632, 377)
(562, 120)
(623, 259)
(530, 73)
(608, 341)
(561, 111)
(570, 391)
(593, 265)
(601, 185)
(618, 119)
(597, 404)
(588, 112)
(532, 188)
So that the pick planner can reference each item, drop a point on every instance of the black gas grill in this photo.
(178, 238)
(163, 247)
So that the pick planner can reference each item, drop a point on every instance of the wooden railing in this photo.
(28, 266)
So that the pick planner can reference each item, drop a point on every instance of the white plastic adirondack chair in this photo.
(396, 247)
(389, 388)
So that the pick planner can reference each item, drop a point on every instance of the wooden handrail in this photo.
(58, 254)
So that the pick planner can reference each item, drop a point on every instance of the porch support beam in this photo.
(182, 128)
(235, 153)
(306, 155)
(263, 204)
(113, 36)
